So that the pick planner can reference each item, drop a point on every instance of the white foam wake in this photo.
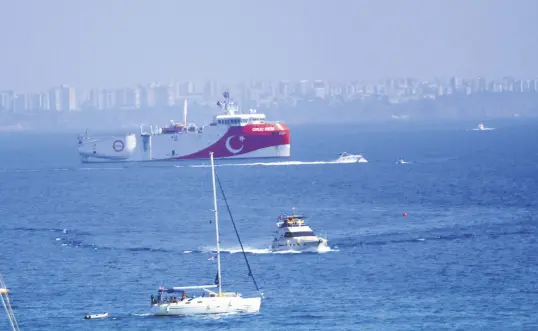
(264, 250)
(102, 168)
(483, 129)
(266, 164)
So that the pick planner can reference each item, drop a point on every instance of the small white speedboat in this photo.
(351, 158)
(94, 316)
(481, 127)
(401, 161)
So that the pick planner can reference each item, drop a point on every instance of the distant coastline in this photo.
(477, 107)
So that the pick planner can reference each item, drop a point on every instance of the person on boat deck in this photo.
(183, 296)
(153, 301)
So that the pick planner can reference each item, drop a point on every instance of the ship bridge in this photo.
(232, 117)
(239, 119)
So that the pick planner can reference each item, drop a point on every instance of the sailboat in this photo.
(210, 302)
(4, 297)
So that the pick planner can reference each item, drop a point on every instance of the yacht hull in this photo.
(207, 306)
(362, 160)
(312, 246)
(352, 159)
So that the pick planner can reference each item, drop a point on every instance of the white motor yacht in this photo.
(351, 158)
(294, 234)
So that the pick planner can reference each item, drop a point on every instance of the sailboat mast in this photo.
(216, 221)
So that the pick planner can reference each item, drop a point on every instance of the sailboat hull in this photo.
(208, 305)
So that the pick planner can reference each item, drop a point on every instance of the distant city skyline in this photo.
(120, 43)
(254, 93)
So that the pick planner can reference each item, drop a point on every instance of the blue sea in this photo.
(79, 238)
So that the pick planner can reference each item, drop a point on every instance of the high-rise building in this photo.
(210, 90)
(109, 99)
(68, 98)
(283, 89)
(7, 99)
(183, 89)
(62, 98)
(320, 89)
(96, 99)
(482, 87)
(147, 96)
(35, 101)
(132, 98)
(21, 103)
(164, 96)
(55, 99)
(303, 88)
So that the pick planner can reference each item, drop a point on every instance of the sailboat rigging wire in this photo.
(7, 306)
(237, 233)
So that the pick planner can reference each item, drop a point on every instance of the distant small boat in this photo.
(351, 158)
(94, 316)
(401, 161)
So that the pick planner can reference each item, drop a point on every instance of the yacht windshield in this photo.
(299, 234)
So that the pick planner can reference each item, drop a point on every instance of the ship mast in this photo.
(185, 113)
(215, 210)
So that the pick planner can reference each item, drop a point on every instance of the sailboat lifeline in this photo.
(210, 302)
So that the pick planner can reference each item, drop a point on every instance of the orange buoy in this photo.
(404, 214)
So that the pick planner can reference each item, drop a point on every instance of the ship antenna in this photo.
(226, 95)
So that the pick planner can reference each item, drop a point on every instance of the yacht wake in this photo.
(59, 169)
(265, 164)
(101, 168)
(259, 251)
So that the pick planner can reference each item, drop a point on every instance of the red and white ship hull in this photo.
(263, 140)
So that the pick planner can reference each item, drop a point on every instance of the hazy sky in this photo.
(113, 43)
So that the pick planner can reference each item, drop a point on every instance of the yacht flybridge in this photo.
(212, 300)
(294, 234)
